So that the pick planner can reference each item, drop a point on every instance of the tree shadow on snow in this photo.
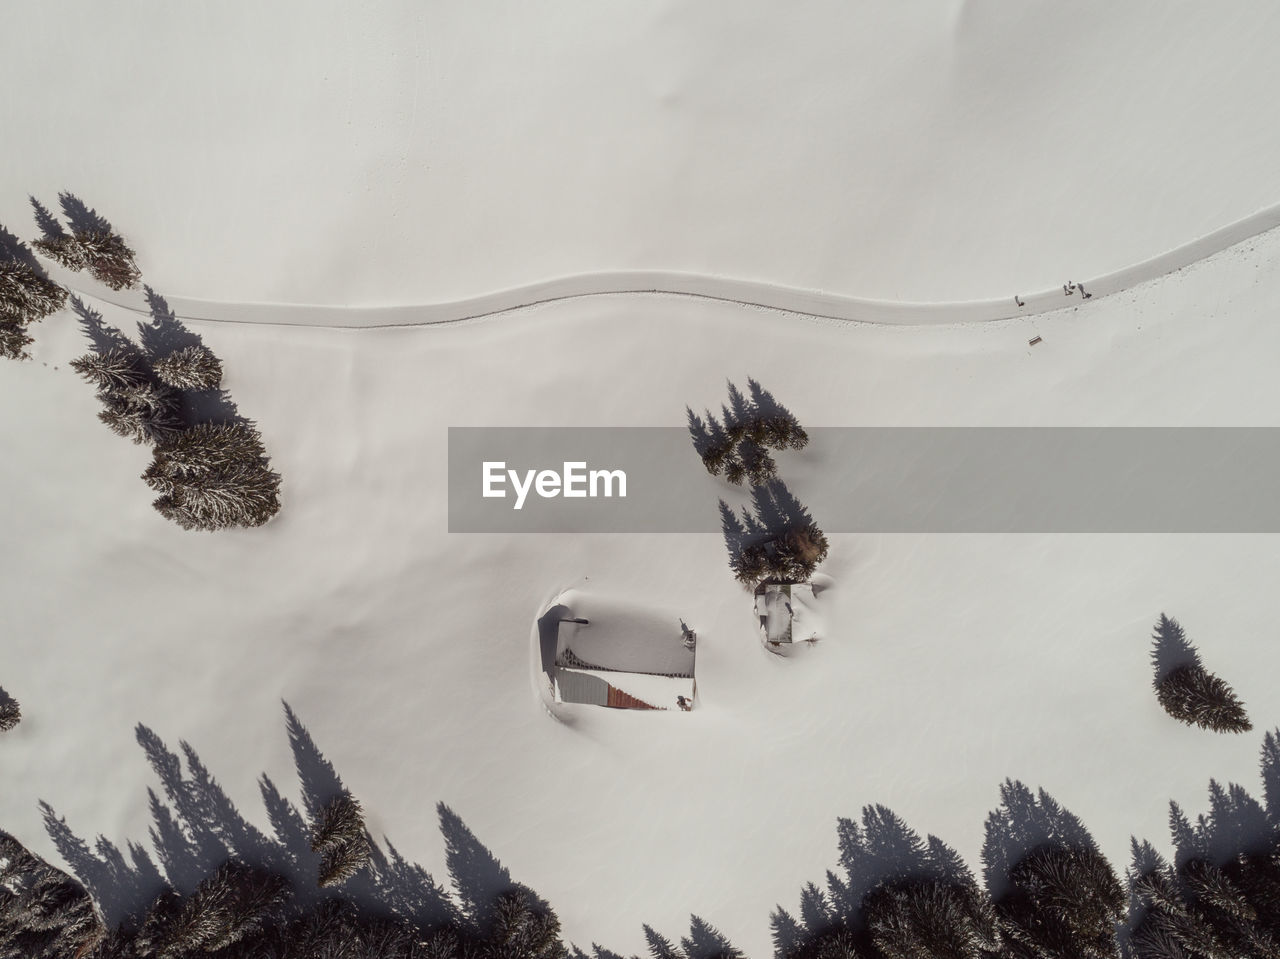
(704, 941)
(159, 336)
(1271, 777)
(776, 508)
(102, 336)
(46, 222)
(774, 511)
(1171, 650)
(163, 334)
(479, 879)
(117, 885)
(706, 434)
(13, 250)
(196, 827)
(763, 401)
(880, 849)
(1235, 823)
(80, 217)
(710, 432)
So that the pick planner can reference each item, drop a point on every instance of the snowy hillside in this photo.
(404, 158)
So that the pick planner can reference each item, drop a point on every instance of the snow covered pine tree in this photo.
(134, 406)
(214, 476)
(338, 834)
(104, 254)
(190, 368)
(1189, 692)
(25, 297)
(10, 712)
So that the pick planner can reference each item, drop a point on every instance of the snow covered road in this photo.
(814, 303)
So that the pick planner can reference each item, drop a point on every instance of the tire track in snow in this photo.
(748, 293)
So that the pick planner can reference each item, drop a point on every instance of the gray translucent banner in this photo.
(877, 480)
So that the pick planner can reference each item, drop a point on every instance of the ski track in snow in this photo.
(749, 293)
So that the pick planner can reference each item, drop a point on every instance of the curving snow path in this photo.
(814, 303)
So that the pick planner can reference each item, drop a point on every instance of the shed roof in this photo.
(620, 637)
(786, 612)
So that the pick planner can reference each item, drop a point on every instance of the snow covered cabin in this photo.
(606, 652)
(786, 612)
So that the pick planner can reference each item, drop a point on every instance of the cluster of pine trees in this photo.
(1048, 895)
(1189, 692)
(1047, 892)
(244, 912)
(44, 914)
(779, 543)
(26, 296)
(737, 444)
(1228, 910)
(91, 244)
(209, 476)
(790, 555)
(136, 404)
(229, 892)
(214, 476)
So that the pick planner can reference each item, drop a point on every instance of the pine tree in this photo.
(227, 907)
(1186, 690)
(792, 556)
(1203, 910)
(190, 368)
(802, 550)
(1063, 902)
(524, 928)
(110, 370)
(214, 476)
(207, 449)
(10, 712)
(928, 919)
(751, 565)
(238, 496)
(737, 444)
(43, 913)
(1214, 888)
(338, 834)
(755, 463)
(337, 823)
(104, 254)
(25, 295)
(144, 412)
(14, 341)
(1197, 697)
(108, 259)
(174, 927)
(63, 250)
(243, 898)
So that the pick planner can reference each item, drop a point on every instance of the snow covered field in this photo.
(951, 153)
(402, 152)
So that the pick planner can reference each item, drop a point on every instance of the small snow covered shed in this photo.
(608, 652)
(786, 612)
